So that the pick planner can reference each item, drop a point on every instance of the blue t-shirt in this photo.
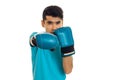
(47, 64)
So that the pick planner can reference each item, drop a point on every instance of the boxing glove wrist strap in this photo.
(67, 51)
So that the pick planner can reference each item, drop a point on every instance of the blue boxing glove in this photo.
(44, 41)
(66, 41)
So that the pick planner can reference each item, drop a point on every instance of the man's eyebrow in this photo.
(57, 22)
(49, 22)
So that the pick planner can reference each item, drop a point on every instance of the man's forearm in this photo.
(68, 64)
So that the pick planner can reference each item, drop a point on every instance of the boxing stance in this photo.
(52, 50)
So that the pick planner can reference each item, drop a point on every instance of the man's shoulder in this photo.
(35, 33)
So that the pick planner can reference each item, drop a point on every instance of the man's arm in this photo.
(68, 64)
(66, 40)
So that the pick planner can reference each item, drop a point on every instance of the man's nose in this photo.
(54, 26)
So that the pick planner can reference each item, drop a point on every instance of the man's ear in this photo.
(42, 23)
(62, 23)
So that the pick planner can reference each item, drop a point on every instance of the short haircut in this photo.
(54, 11)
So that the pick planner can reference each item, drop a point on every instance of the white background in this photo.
(96, 29)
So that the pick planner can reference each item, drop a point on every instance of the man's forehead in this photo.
(53, 19)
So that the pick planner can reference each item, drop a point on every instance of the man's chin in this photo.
(51, 32)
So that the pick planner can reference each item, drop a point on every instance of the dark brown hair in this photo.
(54, 11)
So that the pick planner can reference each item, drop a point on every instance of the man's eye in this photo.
(49, 22)
(58, 22)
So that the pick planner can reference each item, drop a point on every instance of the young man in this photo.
(52, 50)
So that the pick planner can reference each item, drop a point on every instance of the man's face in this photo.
(52, 23)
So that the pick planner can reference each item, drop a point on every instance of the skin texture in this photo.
(51, 24)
